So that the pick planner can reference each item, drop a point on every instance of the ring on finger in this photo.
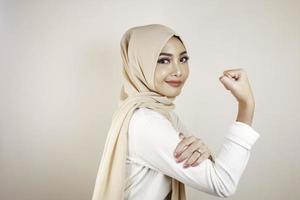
(198, 150)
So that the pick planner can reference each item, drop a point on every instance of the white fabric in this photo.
(150, 161)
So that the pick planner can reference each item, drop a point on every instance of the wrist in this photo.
(246, 112)
(248, 103)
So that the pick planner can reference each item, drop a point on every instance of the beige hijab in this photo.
(140, 49)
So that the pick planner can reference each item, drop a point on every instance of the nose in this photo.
(177, 69)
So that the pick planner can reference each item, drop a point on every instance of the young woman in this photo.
(143, 151)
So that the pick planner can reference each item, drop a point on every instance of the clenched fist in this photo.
(237, 82)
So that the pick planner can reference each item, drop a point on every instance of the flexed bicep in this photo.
(157, 139)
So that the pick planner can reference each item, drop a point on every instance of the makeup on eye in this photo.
(161, 60)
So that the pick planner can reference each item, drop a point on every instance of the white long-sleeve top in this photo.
(150, 161)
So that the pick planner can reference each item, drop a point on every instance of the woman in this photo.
(138, 161)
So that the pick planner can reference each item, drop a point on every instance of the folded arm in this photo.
(156, 139)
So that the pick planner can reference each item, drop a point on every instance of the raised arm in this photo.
(237, 82)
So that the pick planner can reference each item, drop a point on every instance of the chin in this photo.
(172, 94)
(169, 91)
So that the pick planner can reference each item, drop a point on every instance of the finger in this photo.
(231, 77)
(181, 136)
(234, 73)
(227, 82)
(190, 150)
(231, 74)
(200, 159)
(204, 153)
(196, 162)
(182, 145)
(195, 156)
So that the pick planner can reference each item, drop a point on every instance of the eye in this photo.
(186, 58)
(163, 61)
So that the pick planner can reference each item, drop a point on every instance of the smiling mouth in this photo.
(174, 83)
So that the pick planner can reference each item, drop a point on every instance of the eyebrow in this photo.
(169, 54)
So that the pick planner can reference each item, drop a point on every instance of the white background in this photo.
(60, 78)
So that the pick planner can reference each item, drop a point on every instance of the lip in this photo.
(174, 83)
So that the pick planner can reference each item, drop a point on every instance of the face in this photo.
(172, 68)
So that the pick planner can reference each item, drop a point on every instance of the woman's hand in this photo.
(189, 148)
(237, 82)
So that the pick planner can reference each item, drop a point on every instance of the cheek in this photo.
(161, 74)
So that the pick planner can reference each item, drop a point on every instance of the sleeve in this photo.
(156, 139)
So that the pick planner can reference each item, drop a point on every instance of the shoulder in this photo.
(146, 121)
(144, 115)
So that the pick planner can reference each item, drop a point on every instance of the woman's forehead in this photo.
(173, 46)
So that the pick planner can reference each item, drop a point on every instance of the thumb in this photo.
(227, 82)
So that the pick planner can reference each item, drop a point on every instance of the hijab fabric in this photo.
(140, 49)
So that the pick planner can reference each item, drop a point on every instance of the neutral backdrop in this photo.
(60, 79)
